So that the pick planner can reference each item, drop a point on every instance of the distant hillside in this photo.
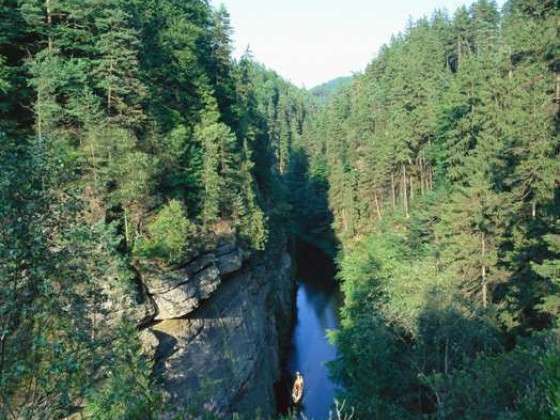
(326, 90)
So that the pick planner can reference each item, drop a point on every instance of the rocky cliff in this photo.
(216, 328)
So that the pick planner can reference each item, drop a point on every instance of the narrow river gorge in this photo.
(317, 304)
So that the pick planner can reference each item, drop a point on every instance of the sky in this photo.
(310, 42)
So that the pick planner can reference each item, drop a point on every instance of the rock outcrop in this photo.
(217, 328)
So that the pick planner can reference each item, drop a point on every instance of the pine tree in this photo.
(219, 157)
(116, 67)
(222, 65)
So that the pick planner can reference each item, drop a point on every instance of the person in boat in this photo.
(297, 391)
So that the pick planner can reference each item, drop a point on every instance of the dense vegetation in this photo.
(325, 91)
(443, 172)
(127, 132)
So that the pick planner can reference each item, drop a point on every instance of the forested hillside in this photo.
(127, 134)
(325, 91)
(133, 148)
(443, 180)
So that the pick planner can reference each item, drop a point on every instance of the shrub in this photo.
(167, 235)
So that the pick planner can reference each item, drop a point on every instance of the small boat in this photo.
(297, 390)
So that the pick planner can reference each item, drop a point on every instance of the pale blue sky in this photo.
(313, 41)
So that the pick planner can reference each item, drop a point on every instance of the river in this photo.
(318, 300)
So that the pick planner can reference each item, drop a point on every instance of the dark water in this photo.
(318, 299)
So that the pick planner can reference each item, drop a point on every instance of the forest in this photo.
(442, 168)
(130, 137)
(128, 133)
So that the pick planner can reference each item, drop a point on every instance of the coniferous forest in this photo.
(128, 133)
(443, 172)
(130, 138)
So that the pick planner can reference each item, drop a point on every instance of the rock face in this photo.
(186, 297)
(218, 327)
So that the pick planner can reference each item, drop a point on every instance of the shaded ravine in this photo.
(317, 303)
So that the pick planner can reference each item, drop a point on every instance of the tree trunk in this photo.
(405, 194)
(393, 194)
(377, 205)
(431, 178)
(446, 364)
(459, 54)
(411, 188)
(484, 285)
(94, 166)
(421, 168)
(93, 323)
(534, 209)
(110, 90)
(49, 24)
(39, 117)
(557, 93)
(2, 352)
(126, 233)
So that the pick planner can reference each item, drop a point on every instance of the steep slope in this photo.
(142, 187)
(217, 329)
(442, 170)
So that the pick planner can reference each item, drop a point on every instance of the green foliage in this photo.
(167, 235)
(515, 384)
(544, 401)
(401, 315)
(326, 90)
(126, 392)
(4, 81)
(441, 162)
(220, 157)
(549, 269)
(126, 130)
